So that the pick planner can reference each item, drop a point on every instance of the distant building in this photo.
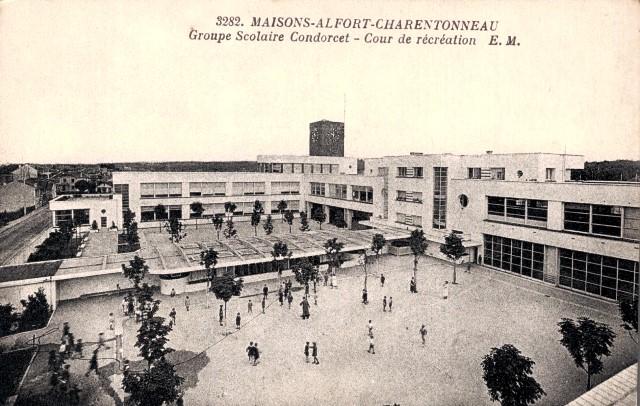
(326, 138)
(24, 172)
(18, 195)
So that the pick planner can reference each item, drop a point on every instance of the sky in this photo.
(88, 81)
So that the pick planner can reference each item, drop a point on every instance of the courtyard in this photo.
(485, 309)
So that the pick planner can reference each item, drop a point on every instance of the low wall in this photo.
(14, 294)
(75, 288)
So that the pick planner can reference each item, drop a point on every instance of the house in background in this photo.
(16, 196)
(24, 172)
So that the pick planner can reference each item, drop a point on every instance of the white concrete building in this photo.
(519, 213)
(84, 210)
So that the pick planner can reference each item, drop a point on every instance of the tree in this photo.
(132, 235)
(333, 248)
(230, 207)
(453, 249)
(304, 271)
(217, 221)
(175, 228)
(282, 206)
(209, 259)
(304, 222)
(152, 339)
(378, 242)
(629, 314)
(288, 217)
(84, 186)
(362, 260)
(224, 287)
(280, 251)
(161, 214)
(36, 310)
(128, 218)
(154, 386)
(255, 216)
(8, 316)
(268, 225)
(507, 374)
(318, 215)
(230, 231)
(136, 270)
(197, 209)
(587, 342)
(418, 244)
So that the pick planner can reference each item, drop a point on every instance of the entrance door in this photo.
(103, 222)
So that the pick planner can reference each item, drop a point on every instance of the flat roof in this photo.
(34, 270)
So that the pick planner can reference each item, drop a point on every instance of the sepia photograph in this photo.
(290, 202)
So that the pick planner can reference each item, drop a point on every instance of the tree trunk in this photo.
(365, 277)
(289, 228)
(218, 232)
(415, 272)
(454, 274)
(196, 223)
(588, 381)
(255, 230)
(225, 312)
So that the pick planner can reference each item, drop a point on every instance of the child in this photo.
(306, 352)
(238, 321)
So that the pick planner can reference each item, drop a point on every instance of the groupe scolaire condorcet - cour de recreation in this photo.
(344, 30)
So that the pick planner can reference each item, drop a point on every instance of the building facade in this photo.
(517, 213)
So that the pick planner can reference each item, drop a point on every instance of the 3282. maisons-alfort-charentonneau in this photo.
(371, 23)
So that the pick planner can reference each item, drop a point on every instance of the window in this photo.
(474, 173)
(440, 186)
(81, 217)
(307, 168)
(326, 168)
(610, 277)
(151, 190)
(122, 189)
(409, 219)
(285, 188)
(495, 206)
(550, 174)
(497, 173)
(317, 189)
(207, 189)
(335, 169)
(247, 188)
(63, 216)
(464, 200)
(337, 191)
(276, 168)
(537, 210)
(175, 212)
(297, 168)
(317, 168)
(414, 197)
(147, 213)
(516, 208)
(520, 257)
(410, 172)
(595, 219)
(362, 193)
(287, 168)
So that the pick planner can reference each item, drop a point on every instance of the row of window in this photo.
(153, 190)
(605, 276)
(521, 209)
(149, 213)
(298, 168)
(409, 219)
(521, 257)
(404, 196)
(486, 173)
(77, 217)
(362, 194)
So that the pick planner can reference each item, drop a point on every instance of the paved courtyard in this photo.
(486, 309)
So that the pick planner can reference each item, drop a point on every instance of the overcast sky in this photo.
(106, 81)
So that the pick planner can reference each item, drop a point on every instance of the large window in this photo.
(81, 217)
(521, 257)
(362, 193)
(63, 216)
(147, 213)
(151, 190)
(293, 205)
(409, 219)
(605, 276)
(207, 189)
(122, 189)
(247, 188)
(337, 191)
(515, 210)
(550, 174)
(440, 184)
(594, 219)
(317, 189)
(285, 188)
(410, 172)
